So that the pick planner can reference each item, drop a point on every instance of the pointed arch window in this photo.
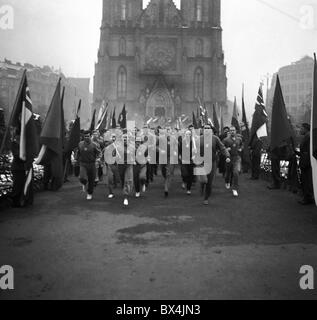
(123, 10)
(199, 8)
(122, 47)
(199, 84)
(122, 82)
(199, 48)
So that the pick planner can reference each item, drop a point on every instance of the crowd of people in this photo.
(130, 159)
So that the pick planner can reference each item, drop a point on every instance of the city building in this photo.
(161, 60)
(297, 83)
(42, 82)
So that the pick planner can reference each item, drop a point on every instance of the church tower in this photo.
(161, 60)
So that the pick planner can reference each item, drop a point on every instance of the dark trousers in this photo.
(276, 172)
(149, 173)
(188, 175)
(307, 184)
(222, 164)
(256, 165)
(18, 198)
(47, 176)
(139, 176)
(210, 180)
(88, 175)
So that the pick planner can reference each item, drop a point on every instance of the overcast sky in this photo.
(259, 37)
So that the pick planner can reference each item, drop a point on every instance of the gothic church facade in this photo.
(160, 61)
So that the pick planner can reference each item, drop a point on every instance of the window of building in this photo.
(294, 87)
(286, 99)
(199, 84)
(123, 10)
(199, 48)
(122, 82)
(122, 47)
(199, 10)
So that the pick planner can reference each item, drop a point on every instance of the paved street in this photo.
(246, 248)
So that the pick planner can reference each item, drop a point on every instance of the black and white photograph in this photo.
(158, 150)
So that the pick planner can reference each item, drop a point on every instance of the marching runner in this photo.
(109, 170)
(98, 140)
(206, 139)
(126, 158)
(168, 157)
(234, 145)
(187, 147)
(140, 167)
(88, 155)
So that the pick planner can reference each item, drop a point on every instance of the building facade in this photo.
(160, 61)
(42, 82)
(297, 83)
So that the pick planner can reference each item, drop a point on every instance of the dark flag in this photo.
(123, 118)
(93, 122)
(245, 130)
(314, 113)
(314, 131)
(74, 136)
(114, 121)
(22, 119)
(235, 117)
(215, 119)
(282, 133)
(63, 120)
(260, 119)
(222, 124)
(104, 123)
(52, 140)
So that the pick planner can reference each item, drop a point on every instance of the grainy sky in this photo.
(259, 37)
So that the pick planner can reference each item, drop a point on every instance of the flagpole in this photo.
(12, 112)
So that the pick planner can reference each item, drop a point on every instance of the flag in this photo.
(93, 122)
(260, 119)
(216, 120)
(122, 121)
(314, 114)
(63, 125)
(114, 122)
(222, 125)
(22, 119)
(109, 122)
(245, 130)
(103, 121)
(313, 133)
(281, 133)
(52, 140)
(74, 136)
(101, 113)
(235, 117)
